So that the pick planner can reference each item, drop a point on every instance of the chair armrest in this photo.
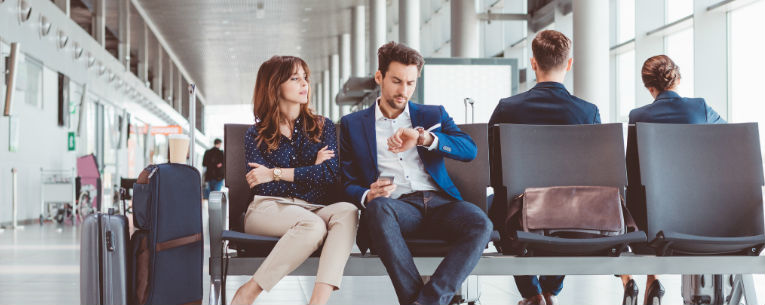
(216, 211)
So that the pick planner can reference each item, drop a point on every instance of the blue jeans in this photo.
(212, 185)
(436, 215)
(530, 285)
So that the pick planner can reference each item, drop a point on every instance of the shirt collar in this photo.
(669, 94)
(550, 85)
(378, 112)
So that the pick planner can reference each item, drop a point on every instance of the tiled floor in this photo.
(40, 265)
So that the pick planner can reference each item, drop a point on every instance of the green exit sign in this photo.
(70, 141)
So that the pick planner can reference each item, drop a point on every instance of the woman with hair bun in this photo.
(661, 76)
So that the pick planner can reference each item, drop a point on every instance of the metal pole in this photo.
(192, 120)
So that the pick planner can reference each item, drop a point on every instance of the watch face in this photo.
(277, 171)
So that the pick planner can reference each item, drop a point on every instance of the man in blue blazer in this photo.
(548, 103)
(392, 161)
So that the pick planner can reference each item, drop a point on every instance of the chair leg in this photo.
(747, 284)
(214, 291)
(736, 293)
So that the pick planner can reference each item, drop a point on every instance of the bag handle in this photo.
(629, 222)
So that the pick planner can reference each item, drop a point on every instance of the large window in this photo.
(679, 47)
(625, 20)
(625, 58)
(746, 66)
(678, 9)
(625, 86)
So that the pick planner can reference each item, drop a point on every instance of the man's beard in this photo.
(392, 103)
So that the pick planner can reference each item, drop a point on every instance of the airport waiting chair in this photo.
(703, 188)
(470, 178)
(562, 155)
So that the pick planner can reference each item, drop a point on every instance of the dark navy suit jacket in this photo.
(548, 103)
(669, 107)
(358, 148)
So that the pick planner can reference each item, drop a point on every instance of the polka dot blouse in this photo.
(312, 182)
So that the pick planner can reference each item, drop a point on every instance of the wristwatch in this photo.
(421, 137)
(277, 174)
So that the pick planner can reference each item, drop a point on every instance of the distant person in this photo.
(661, 76)
(548, 103)
(291, 166)
(213, 161)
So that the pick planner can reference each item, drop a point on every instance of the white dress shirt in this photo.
(406, 167)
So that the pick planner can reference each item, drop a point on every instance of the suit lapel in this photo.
(368, 124)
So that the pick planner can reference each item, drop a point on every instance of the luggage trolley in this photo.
(57, 194)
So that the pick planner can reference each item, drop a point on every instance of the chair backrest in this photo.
(472, 178)
(635, 194)
(238, 190)
(560, 155)
(702, 179)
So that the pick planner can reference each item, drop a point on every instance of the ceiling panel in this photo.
(221, 43)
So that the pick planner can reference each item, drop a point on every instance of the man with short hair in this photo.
(392, 160)
(547, 103)
(213, 160)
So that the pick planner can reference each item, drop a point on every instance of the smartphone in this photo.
(385, 178)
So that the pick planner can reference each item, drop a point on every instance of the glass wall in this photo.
(746, 65)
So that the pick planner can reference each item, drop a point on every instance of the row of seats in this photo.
(693, 189)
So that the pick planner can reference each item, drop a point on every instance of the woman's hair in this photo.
(271, 75)
(661, 73)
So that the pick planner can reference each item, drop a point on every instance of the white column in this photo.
(65, 5)
(334, 85)
(326, 104)
(377, 31)
(345, 66)
(143, 54)
(464, 25)
(318, 97)
(124, 45)
(157, 81)
(99, 22)
(591, 53)
(409, 23)
(358, 24)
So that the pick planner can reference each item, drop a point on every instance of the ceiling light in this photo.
(299, 47)
(77, 51)
(63, 39)
(45, 26)
(305, 19)
(25, 11)
(225, 22)
(308, 9)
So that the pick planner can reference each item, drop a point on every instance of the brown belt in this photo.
(181, 241)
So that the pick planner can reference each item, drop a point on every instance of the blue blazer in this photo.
(669, 107)
(548, 103)
(358, 148)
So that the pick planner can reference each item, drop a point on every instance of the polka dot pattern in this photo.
(311, 181)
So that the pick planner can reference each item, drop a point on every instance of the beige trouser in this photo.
(302, 231)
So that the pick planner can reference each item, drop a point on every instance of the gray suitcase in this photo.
(702, 289)
(104, 259)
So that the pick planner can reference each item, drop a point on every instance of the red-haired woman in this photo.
(291, 168)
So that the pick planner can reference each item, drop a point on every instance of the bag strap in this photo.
(181, 241)
(629, 222)
(514, 207)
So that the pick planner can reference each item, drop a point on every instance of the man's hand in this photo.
(380, 188)
(324, 154)
(403, 139)
(259, 175)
